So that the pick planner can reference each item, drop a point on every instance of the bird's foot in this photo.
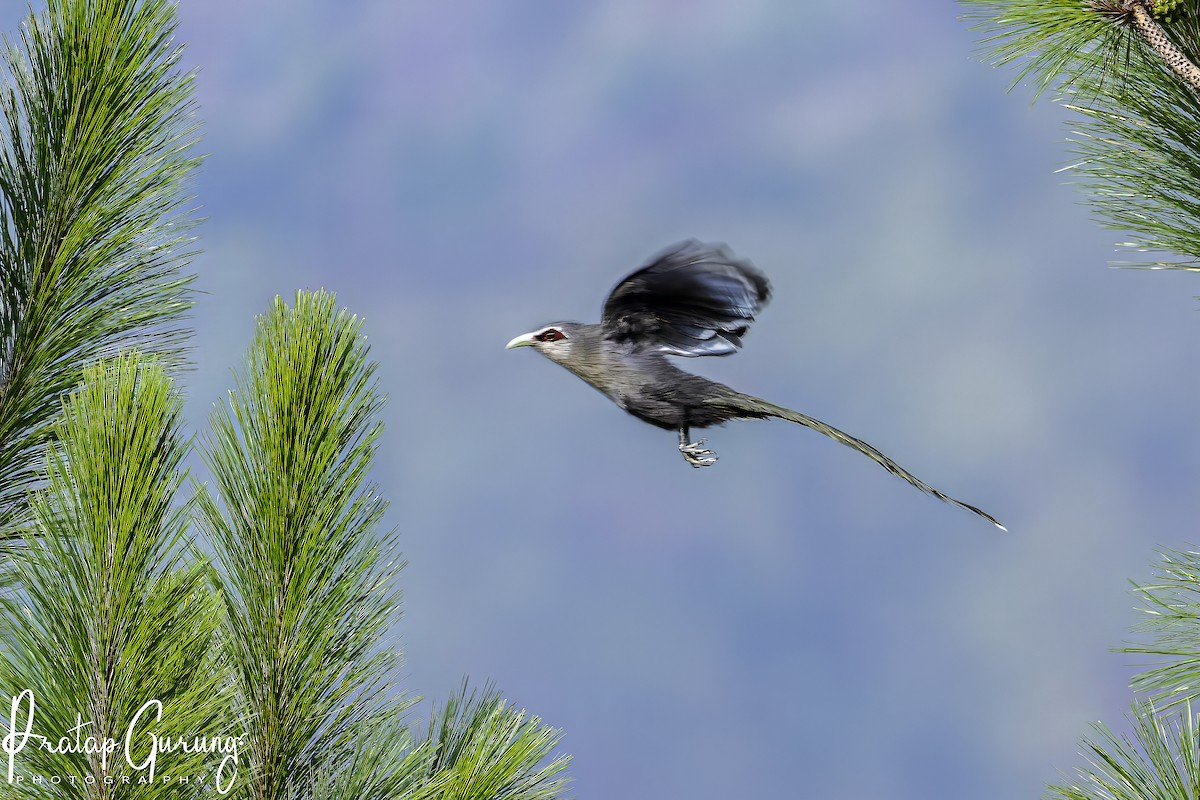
(696, 455)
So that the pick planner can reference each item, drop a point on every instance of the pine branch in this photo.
(96, 145)
(300, 562)
(1160, 762)
(1127, 68)
(1172, 622)
(1057, 43)
(483, 748)
(1142, 19)
(114, 612)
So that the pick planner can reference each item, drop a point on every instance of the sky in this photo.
(792, 621)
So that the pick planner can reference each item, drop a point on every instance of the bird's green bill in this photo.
(524, 340)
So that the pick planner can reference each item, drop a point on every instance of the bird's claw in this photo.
(696, 455)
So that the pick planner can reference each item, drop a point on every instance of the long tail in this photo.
(745, 405)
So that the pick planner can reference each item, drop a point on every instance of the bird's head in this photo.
(554, 341)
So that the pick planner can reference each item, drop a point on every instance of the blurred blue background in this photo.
(794, 621)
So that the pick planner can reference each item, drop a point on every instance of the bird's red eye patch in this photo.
(550, 335)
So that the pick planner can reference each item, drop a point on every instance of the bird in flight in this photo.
(692, 300)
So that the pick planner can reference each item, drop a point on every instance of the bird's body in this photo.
(643, 382)
(692, 300)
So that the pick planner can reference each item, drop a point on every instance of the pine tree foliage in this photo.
(1127, 68)
(302, 568)
(116, 607)
(115, 611)
(307, 589)
(483, 747)
(280, 638)
(1159, 761)
(95, 150)
(1172, 608)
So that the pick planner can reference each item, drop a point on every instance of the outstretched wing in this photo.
(692, 300)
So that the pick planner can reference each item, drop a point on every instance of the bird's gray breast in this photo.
(647, 386)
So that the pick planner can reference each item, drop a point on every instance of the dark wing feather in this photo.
(692, 300)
